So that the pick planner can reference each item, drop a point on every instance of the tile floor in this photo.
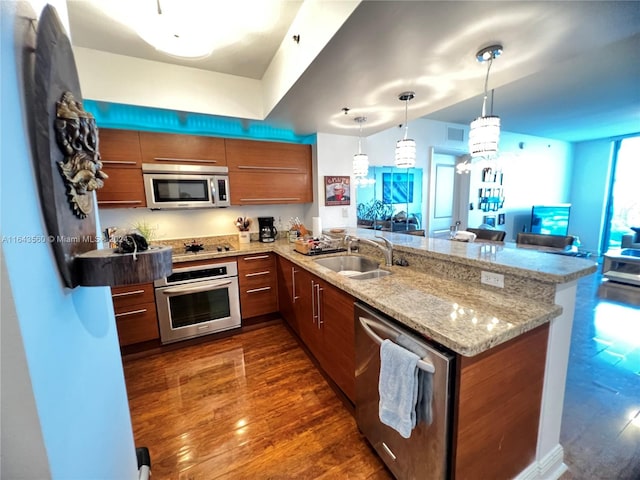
(600, 429)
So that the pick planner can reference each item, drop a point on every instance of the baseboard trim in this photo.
(552, 464)
(551, 467)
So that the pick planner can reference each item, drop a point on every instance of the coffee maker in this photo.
(266, 229)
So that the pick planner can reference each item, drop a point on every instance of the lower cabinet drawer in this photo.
(258, 298)
(258, 284)
(137, 323)
(128, 295)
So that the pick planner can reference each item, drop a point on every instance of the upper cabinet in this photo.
(260, 173)
(182, 149)
(269, 172)
(122, 161)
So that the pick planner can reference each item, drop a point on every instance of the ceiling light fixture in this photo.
(192, 29)
(360, 160)
(172, 32)
(484, 133)
(406, 148)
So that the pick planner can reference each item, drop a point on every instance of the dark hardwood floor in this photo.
(601, 417)
(254, 406)
(248, 406)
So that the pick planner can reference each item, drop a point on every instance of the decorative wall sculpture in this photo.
(68, 166)
(77, 137)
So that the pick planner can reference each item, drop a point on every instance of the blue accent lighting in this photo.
(132, 117)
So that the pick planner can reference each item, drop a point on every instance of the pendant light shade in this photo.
(484, 132)
(360, 165)
(484, 136)
(406, 148)
(360, 160)
(405, 153)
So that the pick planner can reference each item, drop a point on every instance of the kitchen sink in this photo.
(353, 266)
(348, 264)
(379, 273)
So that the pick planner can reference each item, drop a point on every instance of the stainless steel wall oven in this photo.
(198, 300)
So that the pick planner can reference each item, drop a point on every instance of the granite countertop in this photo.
(506, 258)
(465, 318)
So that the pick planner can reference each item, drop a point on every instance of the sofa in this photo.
(631, 240)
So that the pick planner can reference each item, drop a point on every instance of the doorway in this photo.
(623, 204)
(448, 195)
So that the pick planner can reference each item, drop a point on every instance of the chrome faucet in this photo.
(387, 248)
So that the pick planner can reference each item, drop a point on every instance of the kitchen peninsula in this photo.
(512, 343)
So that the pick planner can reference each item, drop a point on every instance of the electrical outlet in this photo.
(493, 279)
(345, 212)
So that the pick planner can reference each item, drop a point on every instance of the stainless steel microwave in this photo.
(185, 186)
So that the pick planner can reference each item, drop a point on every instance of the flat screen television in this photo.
(550, 219)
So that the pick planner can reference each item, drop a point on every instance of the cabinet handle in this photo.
(169, 159)
(190, 288)
(293, 287)
(126, 294)
(132, 312)
(259, 257)
(266, 272)
(271, 199)
(318, 290)
(313, 302)
(118, 202)
(117, 162)
(256, 290)
(279, 169)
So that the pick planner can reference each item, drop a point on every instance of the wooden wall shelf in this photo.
(105, 267)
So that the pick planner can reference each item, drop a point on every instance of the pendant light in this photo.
(484, 132)
(406, 148)
(360, 160)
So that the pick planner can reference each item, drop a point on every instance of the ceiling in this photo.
(570, 69)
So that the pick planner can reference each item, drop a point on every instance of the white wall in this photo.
(70, 354)
(172, 87)
(335, 157)
(539, 173)
(592, 170)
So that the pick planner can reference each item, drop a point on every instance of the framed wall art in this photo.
(337, 190)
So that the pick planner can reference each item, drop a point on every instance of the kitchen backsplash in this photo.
(180, 224)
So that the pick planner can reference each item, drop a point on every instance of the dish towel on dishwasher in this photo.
(398, 387)
(425, 380)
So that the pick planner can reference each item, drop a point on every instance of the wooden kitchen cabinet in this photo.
(336, 320)
(122, 161)
(497, 407)
(182, 149)
(324, 316)
(287, 291)
(266, 173)
(135, 312)
(305, 311)
(257, 279)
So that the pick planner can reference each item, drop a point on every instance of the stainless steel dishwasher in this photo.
(426, 454)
